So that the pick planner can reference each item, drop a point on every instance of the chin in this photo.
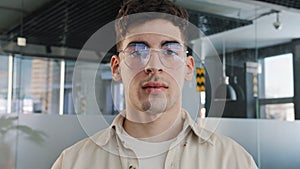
(155, 111)
(155, 105)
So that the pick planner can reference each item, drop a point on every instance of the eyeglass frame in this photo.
(161, 55)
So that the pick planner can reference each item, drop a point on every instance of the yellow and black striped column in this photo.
(200, 79)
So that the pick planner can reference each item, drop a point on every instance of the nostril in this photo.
(148, 70)
(152, 70)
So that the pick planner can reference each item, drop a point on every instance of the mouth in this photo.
(154, 87)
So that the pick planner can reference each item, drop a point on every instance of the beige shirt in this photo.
(194, 148)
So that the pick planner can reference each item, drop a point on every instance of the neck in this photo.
(165, 127)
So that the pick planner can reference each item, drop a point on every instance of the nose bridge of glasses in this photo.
(155, 58)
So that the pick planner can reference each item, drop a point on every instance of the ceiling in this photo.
(261, 33)
(69, 23)
(13, 10)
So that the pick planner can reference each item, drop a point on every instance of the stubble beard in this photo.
(155, 104)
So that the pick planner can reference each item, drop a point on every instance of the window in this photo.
(68, 96)
(278, 76)
(277, 87)
(45, 85)
(3, 83)
(36, 85)
(279, 111)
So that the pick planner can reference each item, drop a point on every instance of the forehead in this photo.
(154, 33)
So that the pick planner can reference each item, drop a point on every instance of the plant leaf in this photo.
(33, 135)
(6, 122)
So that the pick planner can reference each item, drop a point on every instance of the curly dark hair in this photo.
(147, 9)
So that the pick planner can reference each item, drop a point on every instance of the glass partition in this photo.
(261, 61)
(247, 36)
(36, 85)
(68, 96)
(277, 87)
(3, 83)
(257, 41)
(278, 76)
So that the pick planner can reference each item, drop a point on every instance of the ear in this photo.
(115, 68)
(190, 65)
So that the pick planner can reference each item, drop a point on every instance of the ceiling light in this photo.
(225, 86)
(21, 41)
(277, 24)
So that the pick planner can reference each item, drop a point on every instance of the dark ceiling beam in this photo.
(14, 9)
(70, 23)
(81, 18)
(287, 3)
(81, 22)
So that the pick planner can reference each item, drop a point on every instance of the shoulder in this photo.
(85, 145)
(220, 142)
(83, 152)
(232, 151)
(98, 141)
(227, 143)
(217, 146)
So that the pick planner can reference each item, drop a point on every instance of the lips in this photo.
(152, 87)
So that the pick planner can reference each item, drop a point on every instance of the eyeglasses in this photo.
(171, 55)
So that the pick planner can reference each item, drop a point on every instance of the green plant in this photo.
(8, 124)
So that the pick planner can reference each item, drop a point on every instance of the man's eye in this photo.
(138, 53)
(170, 52)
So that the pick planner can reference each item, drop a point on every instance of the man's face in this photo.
(153, 86)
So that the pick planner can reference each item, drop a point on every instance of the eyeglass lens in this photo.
(171, 55)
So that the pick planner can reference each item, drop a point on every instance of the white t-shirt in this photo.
(150, 154)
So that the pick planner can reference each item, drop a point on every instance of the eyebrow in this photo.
(169, 42)
(137, 42)
(146, 43)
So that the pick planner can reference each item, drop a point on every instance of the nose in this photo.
(154, 64)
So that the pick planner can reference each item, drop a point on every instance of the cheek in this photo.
(177, 76)
(128, 75)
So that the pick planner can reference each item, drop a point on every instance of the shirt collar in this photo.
(189, 124)
(104, 136)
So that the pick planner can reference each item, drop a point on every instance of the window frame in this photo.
(277, 100)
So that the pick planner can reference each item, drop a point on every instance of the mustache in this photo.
(154, 78)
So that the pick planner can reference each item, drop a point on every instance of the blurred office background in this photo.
(40, 41)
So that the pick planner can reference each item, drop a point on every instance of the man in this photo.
(154, 131)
